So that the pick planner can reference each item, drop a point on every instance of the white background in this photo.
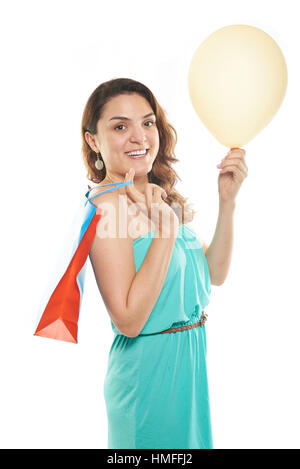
(53, 55)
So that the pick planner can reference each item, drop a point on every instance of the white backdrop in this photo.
(53, 55)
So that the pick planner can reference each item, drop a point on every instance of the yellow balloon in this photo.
(237, 81)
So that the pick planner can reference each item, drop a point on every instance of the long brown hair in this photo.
(162, 172)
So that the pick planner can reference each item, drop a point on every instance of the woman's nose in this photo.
(138, 134)
(136, 137)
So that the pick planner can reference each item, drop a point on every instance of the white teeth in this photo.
(136, 153)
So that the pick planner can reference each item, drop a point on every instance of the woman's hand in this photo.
(233, 172)
(162, 217)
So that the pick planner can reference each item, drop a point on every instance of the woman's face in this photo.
(123, 128)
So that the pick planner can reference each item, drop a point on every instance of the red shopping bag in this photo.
(59, 319)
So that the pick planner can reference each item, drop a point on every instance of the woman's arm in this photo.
(129, 296)
(148, 282)
(233, 171)
(219, 252)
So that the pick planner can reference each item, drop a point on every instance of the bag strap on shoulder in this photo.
(116, 184)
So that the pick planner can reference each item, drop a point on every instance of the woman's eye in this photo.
(120, 125)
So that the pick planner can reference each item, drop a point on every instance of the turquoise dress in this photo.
(156, 386)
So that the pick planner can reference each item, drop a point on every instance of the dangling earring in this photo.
(99, 163)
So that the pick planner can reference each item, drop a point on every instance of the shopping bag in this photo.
(59, 319)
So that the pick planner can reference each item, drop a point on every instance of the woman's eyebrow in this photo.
(127, 118)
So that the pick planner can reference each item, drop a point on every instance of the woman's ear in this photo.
(90, 140)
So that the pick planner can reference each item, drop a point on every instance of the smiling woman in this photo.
(154, 288)
(136, 129)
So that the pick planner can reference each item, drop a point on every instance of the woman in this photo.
(151, 270)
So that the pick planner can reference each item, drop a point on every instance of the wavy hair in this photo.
(162, 172)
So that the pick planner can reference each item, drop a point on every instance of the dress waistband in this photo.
(200, 323)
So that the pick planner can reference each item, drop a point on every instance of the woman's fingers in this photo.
(154, 194)
(133, 194)
(122, 190)
(159, 195)
(240, 162)
(148, 198)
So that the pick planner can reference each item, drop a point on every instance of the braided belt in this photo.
(203, 319)
(190, 326)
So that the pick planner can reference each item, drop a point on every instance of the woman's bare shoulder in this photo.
(102, 194)
(113, 205)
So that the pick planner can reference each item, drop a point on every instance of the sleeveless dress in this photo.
(156, 386)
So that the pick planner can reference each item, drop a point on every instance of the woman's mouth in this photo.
(138, 156)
